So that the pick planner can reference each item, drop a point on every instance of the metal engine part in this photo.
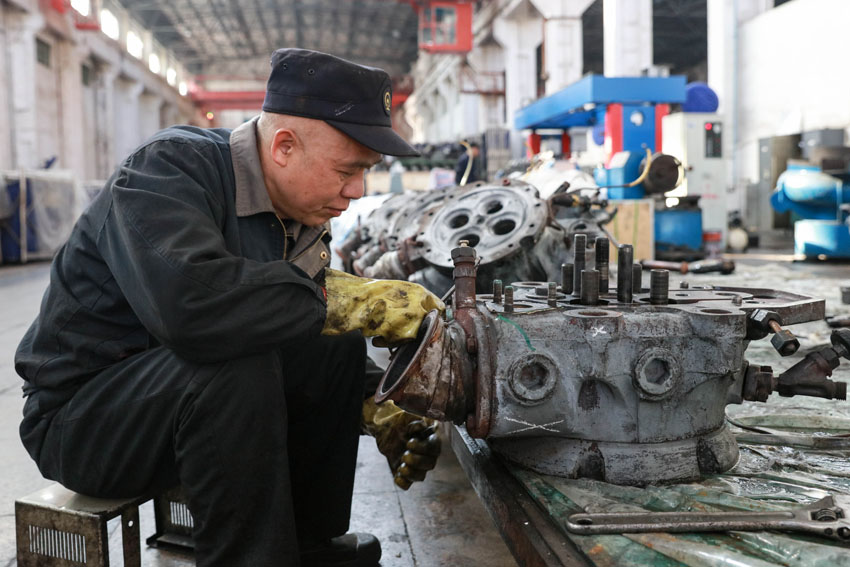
(623, 384)
(517, 235)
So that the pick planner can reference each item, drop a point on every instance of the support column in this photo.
(627, 37)
(168, 115)
(562, 41)
(519, 31)
(72, 146)
(724, 17)
(149, 114)
(126, 100)
(5, 102)
(105, 151)
(21, 28)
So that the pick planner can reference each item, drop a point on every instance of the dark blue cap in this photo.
(352, 98)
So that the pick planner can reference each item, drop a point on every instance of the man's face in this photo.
(323, 170)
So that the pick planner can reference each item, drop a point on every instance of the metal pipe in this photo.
(625, 259)
(659, 287)
(463, 305)
(602, 245)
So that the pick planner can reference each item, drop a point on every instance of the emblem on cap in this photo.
(388, 101)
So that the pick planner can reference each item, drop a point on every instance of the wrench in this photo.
(826, 517)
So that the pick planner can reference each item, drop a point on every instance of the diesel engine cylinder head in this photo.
(579, 385)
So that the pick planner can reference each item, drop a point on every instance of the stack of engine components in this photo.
(619, 383)
(518, 235)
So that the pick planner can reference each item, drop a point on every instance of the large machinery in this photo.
(627, 111)
(620, 383)
(631, 117)
(819, 194)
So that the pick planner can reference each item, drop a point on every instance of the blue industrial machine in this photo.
(822, 201)
(626, 116)
(678, 230)
(628, 110)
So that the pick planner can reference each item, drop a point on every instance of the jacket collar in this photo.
(251, 194)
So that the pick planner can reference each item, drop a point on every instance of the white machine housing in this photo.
(699, 140)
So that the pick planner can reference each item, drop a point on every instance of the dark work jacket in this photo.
(460, 169)
(162, 256)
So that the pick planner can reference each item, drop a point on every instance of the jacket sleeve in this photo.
(163, 242)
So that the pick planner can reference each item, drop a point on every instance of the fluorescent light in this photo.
(135, 45)
(171, 76)
(153, 63)
(182, 89)
(81, 6)
(109, 24)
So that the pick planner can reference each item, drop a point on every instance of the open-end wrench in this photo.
(827, 517)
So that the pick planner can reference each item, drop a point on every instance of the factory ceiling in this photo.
(234, 38)
(679, 37)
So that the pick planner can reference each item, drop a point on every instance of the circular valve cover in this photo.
(494, 219)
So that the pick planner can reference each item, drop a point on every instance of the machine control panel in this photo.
(713, 140)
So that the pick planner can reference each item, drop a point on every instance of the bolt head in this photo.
(841, 338)
(463, 252)
(763, 317)
(785, 343)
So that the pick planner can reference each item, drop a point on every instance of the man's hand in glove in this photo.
(409, 442)
(390, 309)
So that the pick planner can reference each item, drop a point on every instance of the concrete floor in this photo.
(439, 522)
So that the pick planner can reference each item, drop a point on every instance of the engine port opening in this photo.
(402, 358)
(504, 226)
(458, 221)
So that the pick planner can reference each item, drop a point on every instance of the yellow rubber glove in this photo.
(409, 442)
(391, 309)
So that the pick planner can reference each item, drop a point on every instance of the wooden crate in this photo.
(635, 225)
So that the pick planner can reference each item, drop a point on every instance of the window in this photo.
(81, 6)
(42, 52)
(109, 24)
(153, 63)
(445, 26)
(444, 29)
(86, 74)
(171, 76)
(135, 45)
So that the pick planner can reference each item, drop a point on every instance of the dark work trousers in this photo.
(262, 445)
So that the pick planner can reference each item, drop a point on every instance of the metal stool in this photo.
(56, 527)
(174, 522)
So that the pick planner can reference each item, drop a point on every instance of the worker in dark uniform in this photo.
(179, 338)
(468, 167)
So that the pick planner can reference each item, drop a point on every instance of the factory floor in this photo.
(439, 522)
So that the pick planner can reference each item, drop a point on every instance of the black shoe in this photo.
(349, 550)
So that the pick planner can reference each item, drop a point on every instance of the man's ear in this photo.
(283, 144)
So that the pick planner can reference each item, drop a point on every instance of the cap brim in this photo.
(381, 139)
